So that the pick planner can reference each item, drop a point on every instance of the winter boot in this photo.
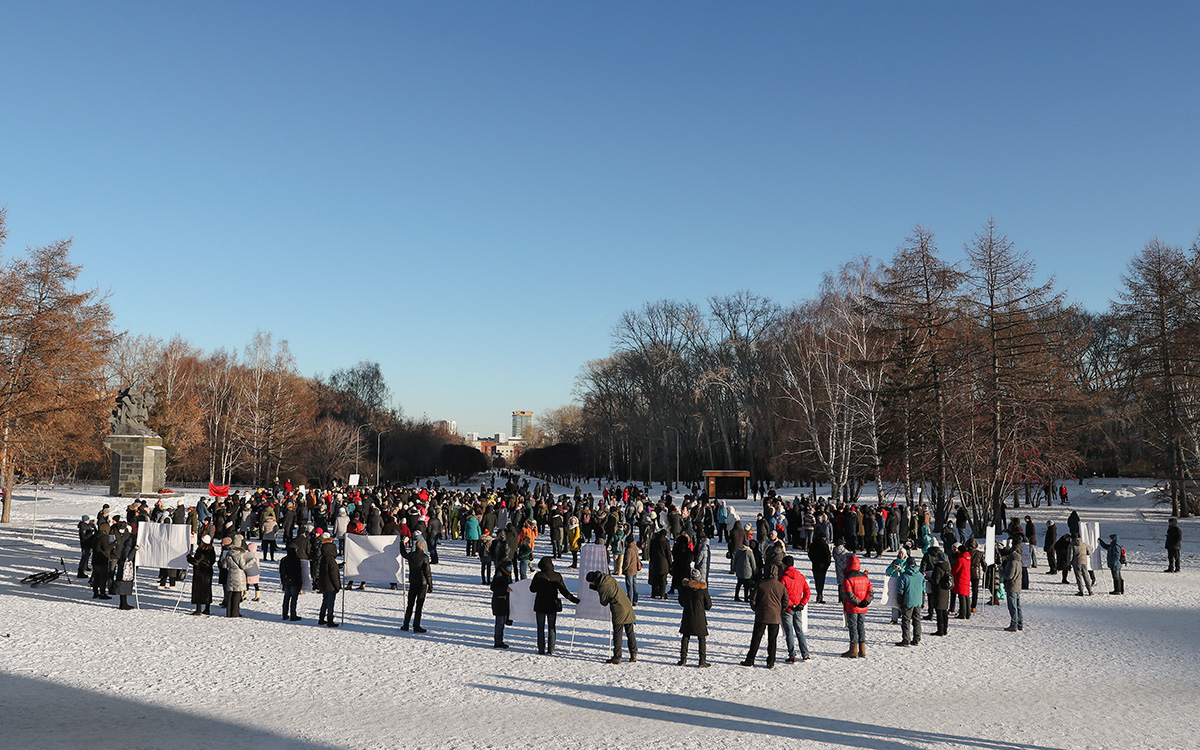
(683, 649)
(852, 653)
(197, 612)
(703, 652)
(862, 650)
(124, 603)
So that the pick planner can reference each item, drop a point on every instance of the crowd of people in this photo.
(932, 577)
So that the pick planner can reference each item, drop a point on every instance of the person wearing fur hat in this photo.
(328, 579)
(696, 601)
(236, 562)
(574, 540)
(621, 610)
(547, 585)
(202, 560)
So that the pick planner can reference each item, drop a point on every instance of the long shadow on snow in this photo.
(724, 715)
(44, 714)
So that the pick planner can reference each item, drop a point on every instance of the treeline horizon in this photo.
(971, 379)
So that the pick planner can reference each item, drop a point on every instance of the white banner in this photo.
(893, 592)
(989, 546)
(374, 559)
(1091, 534)
(591, 557)
(520, 603)
(163, 545)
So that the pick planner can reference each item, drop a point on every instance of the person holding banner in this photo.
(546, 586)
(621, 610)
(420, 583)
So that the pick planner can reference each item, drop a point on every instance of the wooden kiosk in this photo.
(727, 485)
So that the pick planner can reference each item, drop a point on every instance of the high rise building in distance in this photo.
(522, 421)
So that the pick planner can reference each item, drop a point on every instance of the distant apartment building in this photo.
(449, 426)
(521, 422)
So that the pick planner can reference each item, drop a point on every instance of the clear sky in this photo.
(472, 193)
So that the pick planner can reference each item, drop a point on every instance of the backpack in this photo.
(1122, 555)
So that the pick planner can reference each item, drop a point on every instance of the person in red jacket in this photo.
(962, 582)
(856, 597)
(798, 594)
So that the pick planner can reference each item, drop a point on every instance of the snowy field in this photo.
(1099, 672)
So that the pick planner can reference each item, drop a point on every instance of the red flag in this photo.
(218, 490)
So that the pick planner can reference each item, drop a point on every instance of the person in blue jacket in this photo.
(912, 595)
(1113, 547)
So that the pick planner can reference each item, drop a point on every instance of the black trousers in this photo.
(772, 631)
(416, 600)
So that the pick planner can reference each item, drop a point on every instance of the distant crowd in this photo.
(932, 578)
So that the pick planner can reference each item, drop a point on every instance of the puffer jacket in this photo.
(962, 574)
(797, 587)
(857, 588)
(236, 563)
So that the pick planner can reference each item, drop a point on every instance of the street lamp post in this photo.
(357, 444)
(378, 455)
(676, 431)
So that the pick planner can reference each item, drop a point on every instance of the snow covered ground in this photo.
(1098, 672)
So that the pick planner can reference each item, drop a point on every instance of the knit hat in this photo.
(87, 518)
(207, 539)
(697, 575)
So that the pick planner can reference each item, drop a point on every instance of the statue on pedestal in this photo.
(133, 409)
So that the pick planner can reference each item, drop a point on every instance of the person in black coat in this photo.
(87, 534)
(821, 557)
(202, 560)
(547, 585)
(681, 562)
(290, 578)
(328, 579)
(1174, 542)
(1049, 542)
(501, 588)
(102, 550)
(420, 583)
(660, 564)
(695, 600)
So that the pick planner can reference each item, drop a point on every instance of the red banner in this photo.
(218, 490)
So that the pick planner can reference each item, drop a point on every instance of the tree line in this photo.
(971, 380)
(241, 416)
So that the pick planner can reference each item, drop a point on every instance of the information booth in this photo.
(727, 485)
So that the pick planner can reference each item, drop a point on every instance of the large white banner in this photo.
(163, 545)
(1091, 534)
(591, 557)
(893, 592)
(520, 603)
(989, 546)
(374, 559)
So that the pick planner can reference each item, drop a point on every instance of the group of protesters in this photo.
(673, 538)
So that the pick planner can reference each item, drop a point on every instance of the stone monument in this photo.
(139, 462)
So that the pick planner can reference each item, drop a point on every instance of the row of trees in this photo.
(973, 380)
(224, 416)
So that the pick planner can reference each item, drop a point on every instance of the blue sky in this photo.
(472, 193)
